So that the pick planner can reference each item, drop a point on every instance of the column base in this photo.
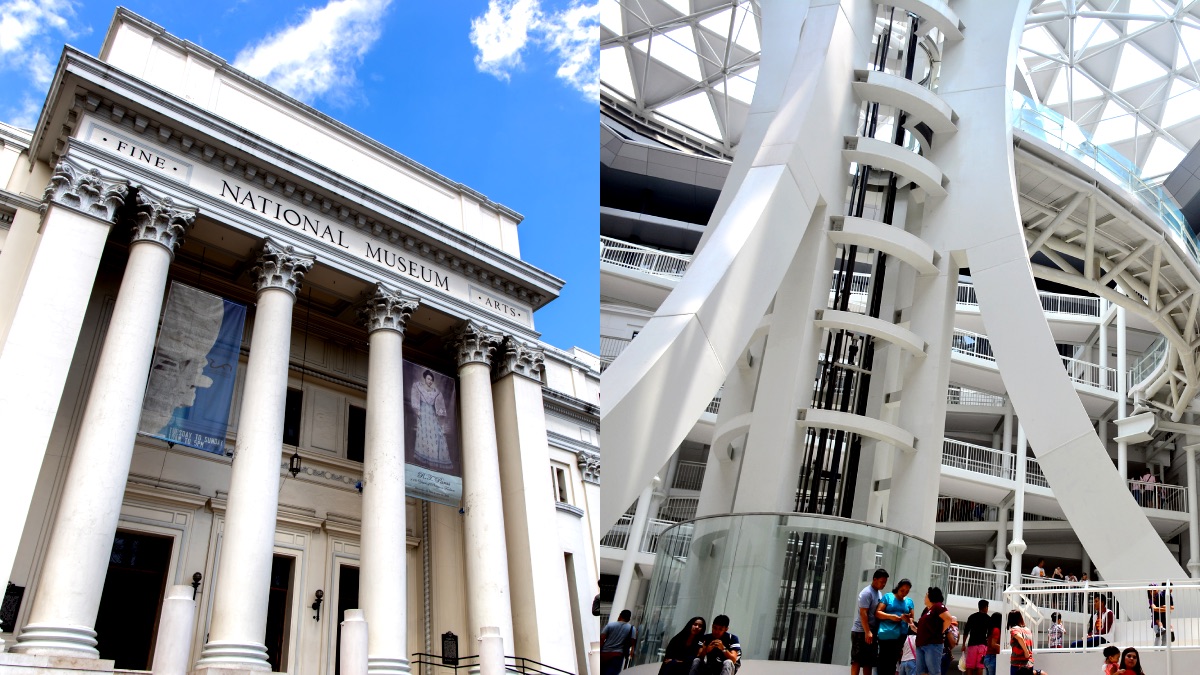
(42, 639)
(53, 664)
(384, 665)
(226, 658)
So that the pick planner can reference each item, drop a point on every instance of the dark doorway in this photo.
(347, 599)
(279, 612)
(133, 591)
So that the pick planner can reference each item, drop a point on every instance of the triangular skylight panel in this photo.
(1039, 40)
(696, 112)
(675, 49)
(1163, 158)
(741, 86)
(1135, 68)
(1116, 124)
(614, 71)
(1149, 8)
(1189, 48)
(719, 22)
(1092, 33)
(745, 31)
(610, 15)
(1082, 87)
(680, 6)
(1183, 105)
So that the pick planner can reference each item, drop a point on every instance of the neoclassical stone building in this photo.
(380, 299)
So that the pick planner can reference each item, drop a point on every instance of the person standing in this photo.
(1021, 642)
(931, 629)
(993, 644)
(616, 643)
(864, 651)
(975, 638)
(1039, 570)
(894, 613)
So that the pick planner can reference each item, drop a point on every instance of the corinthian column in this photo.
(382, 592)
(243, 580)
(36, 350)
(483, 506)
(63, 615)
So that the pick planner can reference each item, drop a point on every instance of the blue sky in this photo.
(497, 94)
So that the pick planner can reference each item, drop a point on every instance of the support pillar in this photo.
(1017, 546)
(542, 626)
(1193, 564)
(243, 579)
(383, 588)
(637, 530)
(1122, 393)
(40, 340)
(355, 642)
(486, 551)
(62, 618)
(176, 625)
(1007, 438)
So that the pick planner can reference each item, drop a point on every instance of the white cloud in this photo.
(572, 36)
(318, 55)
(25, 115)
(29, 33)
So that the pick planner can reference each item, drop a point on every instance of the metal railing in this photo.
(955, 510)
(427, 664)
(611, 348)
(977, 582)
(1093, 374)
(714, 406)
(956, 395)
(1033, 473)
(1146, 363)
(654, 528)
(977, 459)
(1058, 303)
(1160, 495)
(688, 475)
(968, 343)
(643, 258)
(618, 536)
(1144, 614)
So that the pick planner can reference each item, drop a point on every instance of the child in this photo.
(1056, 631)
(1111, 656)
(908, 655)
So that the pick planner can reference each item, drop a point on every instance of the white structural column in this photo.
(37, 350)
(1193, 564)
(63, 615)
(383, 593)
(542, 625)
(637, 530)
(239, 614)
(1017, 546)
(1122, 394)
(486, 552)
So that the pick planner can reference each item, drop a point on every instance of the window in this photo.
(291, 416)
(356, 433)
(558, 479)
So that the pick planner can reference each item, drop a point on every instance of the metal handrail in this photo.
(977, 459)
(519, 664)
(689, 475)
(618, 536)
(1104, 377)
(643, 258)
(958, 395)
(1147, 362)
(1161, 496)
(973, 344)
(1057, 303)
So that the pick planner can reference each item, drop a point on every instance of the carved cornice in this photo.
(161, 220)
(281, 267)
(589, 466)
(387, 310)
(575, 408)
(519, 358)
(474, 343)
(86, 190)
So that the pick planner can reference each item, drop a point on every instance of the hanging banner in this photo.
(433, 458)
(190, 388)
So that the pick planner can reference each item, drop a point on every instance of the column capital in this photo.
(1016, 547)
(520, 358)
(589, 465)
(83, 188)
(475, 343)
(387, 310)
(161, 220)
(281, 267)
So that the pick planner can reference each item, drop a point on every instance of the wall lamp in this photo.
(196, 583)
(294, 464)
(317, 604)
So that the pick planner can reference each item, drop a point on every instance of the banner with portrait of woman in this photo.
(432, 455)
(190, 388)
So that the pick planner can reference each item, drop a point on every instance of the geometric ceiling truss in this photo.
(692, 64)
(1100, 246)
(1127, 71)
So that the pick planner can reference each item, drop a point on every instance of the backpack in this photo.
(951, 637)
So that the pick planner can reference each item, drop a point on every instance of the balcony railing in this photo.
(611, 348)
(689, 475)
(1033, 473)
(618, 536)
(956, 395)
(955, 510)
(643, 258)
(1059, 303)
(977, 582)
(1146, 363)
(714, 406)
(1160, 496)
(654, 528)
(1091, 373)
(972, 344)
(977, 459)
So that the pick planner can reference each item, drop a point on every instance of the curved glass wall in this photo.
(787, 581)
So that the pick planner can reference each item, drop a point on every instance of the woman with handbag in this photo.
(1021, 641)
(682, 648)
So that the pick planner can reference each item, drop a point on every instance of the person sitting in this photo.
(720, 651)
(1100, 625)
(682, 648)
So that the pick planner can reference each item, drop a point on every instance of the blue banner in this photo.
(433, 459)
(190, 388)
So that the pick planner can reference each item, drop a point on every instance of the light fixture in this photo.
(294, 464)
(317, 604)
(196, 583)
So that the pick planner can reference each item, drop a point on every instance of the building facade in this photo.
(394, 437)
(904, 288)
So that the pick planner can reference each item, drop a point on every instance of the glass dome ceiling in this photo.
(1127, 71)
(689, 64)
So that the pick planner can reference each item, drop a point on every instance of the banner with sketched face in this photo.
(190, 388)
(433, 459)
